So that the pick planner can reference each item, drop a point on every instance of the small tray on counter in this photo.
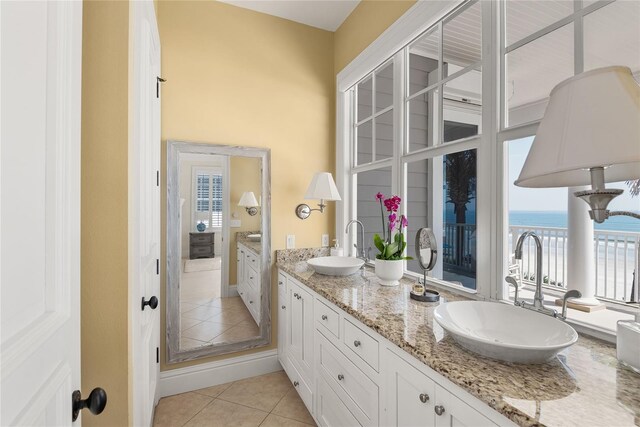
(427, 296)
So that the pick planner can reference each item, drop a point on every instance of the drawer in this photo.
(201, 251)
(201, 239)
(252, 260)
(362, 344)
(252, 278)
(330, 411)
(300, 385)
(355, 389)
(327, 317)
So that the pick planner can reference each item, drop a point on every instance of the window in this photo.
(445, 122)
(425, 148)
(208, 197)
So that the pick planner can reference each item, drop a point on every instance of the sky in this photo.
(551, 199)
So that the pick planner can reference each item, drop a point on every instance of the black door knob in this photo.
(96, 402)
(153, 303)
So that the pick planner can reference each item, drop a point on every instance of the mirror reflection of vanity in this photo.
(218, 249)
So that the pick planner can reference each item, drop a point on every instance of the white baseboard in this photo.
(195, 377)
(233, 291)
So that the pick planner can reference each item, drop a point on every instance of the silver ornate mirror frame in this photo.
(174, 149)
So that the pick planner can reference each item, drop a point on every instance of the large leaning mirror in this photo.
(218, 249)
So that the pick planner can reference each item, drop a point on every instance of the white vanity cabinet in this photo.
(248, 278)
(349, 375)
(413, 399)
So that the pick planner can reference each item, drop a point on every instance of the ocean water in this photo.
(559, 219)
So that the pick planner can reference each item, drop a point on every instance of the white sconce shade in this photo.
(592, 120)
(248, 200)
(322, 187)
(590, 133)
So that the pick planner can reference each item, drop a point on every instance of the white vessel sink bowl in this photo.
(335, 265)
(505, 332)
(254, 237)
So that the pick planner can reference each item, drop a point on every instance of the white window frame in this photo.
(198, 170)
(393, 43)
(492, 188)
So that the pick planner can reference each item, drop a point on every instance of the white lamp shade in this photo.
(248, 200)
(322, 187)
(592, 120)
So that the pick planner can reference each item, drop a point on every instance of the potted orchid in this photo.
(391, 246)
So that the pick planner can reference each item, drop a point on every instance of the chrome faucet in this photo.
(360, 251)
(538, 298)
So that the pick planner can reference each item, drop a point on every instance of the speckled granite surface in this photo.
(241, 237)
(584, 386)
(302, 254)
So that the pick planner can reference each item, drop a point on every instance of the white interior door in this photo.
(41, 52)
(144, 208)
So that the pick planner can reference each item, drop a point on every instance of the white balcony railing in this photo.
(617, 257)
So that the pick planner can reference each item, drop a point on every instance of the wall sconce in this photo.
(591, 125)
(249, 202)
(321, 187)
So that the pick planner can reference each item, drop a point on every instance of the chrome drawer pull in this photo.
(424, 397)
(284, 307)
(439, 409)
(296, 383)
(340, 377)
(324, 317)
(357, 343)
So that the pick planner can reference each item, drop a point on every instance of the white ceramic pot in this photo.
(389, 272)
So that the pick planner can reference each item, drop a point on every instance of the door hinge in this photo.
(157, 354)
(158, 81)
(157, 266)
(157, 178)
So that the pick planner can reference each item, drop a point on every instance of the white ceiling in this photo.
(324, 14)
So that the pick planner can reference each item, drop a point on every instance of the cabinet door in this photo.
(240, 266)
(283, 322)
(301, 333)
(453, 412)
(330, 411)
(410, 394)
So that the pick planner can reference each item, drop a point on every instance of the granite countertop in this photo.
(241, 237)
(584, 386)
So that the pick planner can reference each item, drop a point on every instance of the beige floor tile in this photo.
(224, 414)
(186, 343)
(176, 410)
(205, 331)
(187, 322)
(276, 421)
(244, 330)
(186, 306)
(203, 313)
(263, 392)
(231, 302)
(215, 390)
(291, 406)
(231, 316)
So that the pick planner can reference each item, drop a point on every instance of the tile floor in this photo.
(267, 401)
(205, 317)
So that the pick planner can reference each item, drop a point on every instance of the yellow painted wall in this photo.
(245, 175)
(239, 77)
(367, 21)
(104, 263)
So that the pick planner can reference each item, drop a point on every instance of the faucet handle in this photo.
(512, 281)
(569, 294)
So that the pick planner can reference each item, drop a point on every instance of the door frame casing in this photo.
(142, 13)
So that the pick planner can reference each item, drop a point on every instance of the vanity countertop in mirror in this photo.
(584, 385)
(241, 237)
